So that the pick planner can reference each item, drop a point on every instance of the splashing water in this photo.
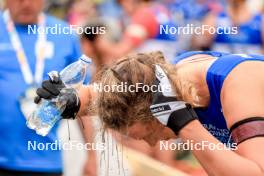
(110, 160)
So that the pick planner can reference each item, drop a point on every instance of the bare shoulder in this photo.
(242, 97)
(242, 94)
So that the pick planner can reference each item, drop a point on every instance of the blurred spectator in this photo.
(249, 36)
(26, 57)
(110, 12)
(89, 48)
(191, 10)
(80, 12)
(109, 9)
(142, 32)
(186, 13)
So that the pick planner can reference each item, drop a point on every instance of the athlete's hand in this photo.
(52, 88)
(166, 108)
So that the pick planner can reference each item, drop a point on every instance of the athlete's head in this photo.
(128, 111)
(25, 11)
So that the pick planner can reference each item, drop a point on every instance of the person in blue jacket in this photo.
(26, 56)
(239, 30)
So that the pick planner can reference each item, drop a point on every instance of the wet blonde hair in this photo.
(119, 110)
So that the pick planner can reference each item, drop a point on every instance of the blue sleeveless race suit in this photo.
(212, 116)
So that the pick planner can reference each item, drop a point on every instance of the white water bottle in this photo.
(49, 112)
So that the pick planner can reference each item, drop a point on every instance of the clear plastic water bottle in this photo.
(49, 112)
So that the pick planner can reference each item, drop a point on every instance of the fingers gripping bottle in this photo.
(49, 112)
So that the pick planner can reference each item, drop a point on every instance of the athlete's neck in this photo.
(192, 73)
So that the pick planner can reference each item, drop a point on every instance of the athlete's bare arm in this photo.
(87, 96)
(242, 97)
(87, 129)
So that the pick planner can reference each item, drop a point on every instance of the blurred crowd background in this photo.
(131, 26)
(117, 15)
